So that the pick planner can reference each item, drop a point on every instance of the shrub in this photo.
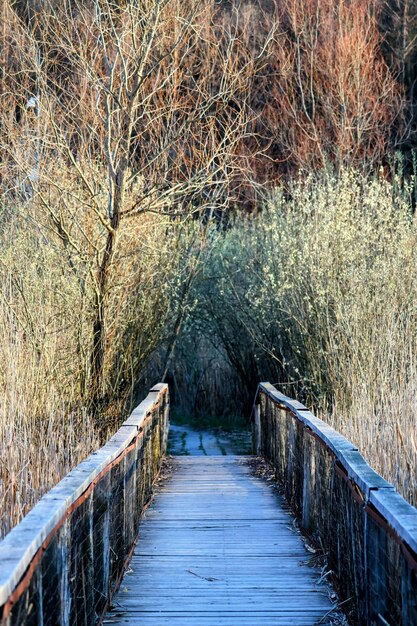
(46, 307)
(318, 293)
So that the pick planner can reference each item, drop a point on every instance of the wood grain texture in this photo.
(217, 547)
(61, 564)
(368, 531)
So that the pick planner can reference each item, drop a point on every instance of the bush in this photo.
(318, 294)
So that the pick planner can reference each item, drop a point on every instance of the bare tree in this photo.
(398, 24)
(142, 108)
(330, 97)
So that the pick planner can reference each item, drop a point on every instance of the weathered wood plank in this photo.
(216, 547)
(57, 534)
(236, 619)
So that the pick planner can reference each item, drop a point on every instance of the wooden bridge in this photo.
(217, 545)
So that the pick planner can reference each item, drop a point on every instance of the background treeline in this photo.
(209, 194)
(323, 81)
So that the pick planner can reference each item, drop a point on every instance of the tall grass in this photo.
(44, 431)
(46, 422)
(316, 293)
(320, 293)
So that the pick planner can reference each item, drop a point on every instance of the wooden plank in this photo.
(361, 473)
(20, 546)
(184, 619)
(400, 515)
(217, 547)
(280, 398)
(331, 437)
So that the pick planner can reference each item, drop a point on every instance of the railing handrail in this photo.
(382, 495)
(364, 526)
(25, 541)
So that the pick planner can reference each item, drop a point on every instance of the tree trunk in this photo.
(99, 326)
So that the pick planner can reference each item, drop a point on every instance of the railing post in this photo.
(368, 531)
(307, 519)
(256, 430)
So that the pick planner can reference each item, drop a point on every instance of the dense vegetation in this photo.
(209, 194)
(318, 294)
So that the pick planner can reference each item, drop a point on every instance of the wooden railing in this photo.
(64, 561)
(366, 529)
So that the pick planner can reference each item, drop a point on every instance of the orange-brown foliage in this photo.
(309, 76)
(326, 94)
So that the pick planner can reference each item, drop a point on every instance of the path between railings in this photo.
(217, 547)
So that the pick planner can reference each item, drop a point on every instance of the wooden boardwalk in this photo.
(217, 548)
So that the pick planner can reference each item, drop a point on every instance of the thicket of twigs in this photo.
(119, 132)
(318, 295)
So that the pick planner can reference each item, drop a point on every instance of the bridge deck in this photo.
(216, 548)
